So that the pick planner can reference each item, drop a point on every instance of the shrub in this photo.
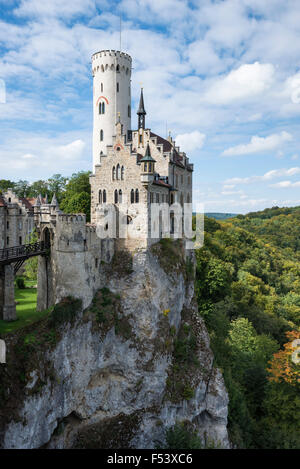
(66, 310)
(20, 283)
(181, 437)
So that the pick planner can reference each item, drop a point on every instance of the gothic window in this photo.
(145, 167)
(122, 173)
(101, 135)
(172, 199)
(120, 196)
(104, 196)
(100, 197)
(118, 69)
(116, 196)
(118, 87)
(136, 196)
(114, 173)
(101, 87)
(129, 220)
(118, 171)
(132, 196)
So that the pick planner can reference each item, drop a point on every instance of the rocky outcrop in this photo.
(119, 373)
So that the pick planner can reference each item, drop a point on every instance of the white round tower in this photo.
(111, 95)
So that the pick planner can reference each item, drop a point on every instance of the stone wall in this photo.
(75, 263)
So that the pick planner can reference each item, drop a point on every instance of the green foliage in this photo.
(20, 283)
(65, 311)
(181, 437)
(248, 291)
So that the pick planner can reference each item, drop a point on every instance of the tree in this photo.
(77, 196)
(77, 203)
(57, 185)
(6, 184)
(285, 364)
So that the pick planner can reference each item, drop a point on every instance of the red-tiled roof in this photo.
(167, 147)
(28, 202)
(162, 183)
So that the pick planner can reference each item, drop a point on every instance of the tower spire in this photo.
(141, 112)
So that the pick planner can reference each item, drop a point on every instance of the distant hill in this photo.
(220, 216)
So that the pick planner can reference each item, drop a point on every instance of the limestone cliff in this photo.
(119, 373)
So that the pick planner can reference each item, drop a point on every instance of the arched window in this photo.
(102, 107)
(100, 197)
(132, 196)
(104, 196)
(129, 220)
(101, 135)
(116, 196)
(118, 88)
(120, 196)
(172, 199)
(136, 196)
(118, 68)
(118, 171)
(114, 173)
(122, 173)
(101, 87)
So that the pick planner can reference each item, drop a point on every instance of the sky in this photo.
(222, 76)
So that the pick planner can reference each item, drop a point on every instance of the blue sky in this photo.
(222, 76)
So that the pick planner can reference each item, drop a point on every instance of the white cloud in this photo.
(245, 82)
(272, 174)
(33, 156)
(55, 8)
(259, 144)
(285, 184)
(190, 141)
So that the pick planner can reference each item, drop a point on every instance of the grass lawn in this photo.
(26, 309)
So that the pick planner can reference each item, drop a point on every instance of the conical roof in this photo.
(148, 156)
(141, 109)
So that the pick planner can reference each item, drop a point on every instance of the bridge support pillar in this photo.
(7, 293)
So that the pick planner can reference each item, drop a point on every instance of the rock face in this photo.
(121, 375)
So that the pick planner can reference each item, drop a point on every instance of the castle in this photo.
(132, 168)
(134, 171)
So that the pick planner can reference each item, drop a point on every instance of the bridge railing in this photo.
(23, 251)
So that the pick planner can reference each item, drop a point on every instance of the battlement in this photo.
(111, 53)
(106, 61)
(78, 218)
